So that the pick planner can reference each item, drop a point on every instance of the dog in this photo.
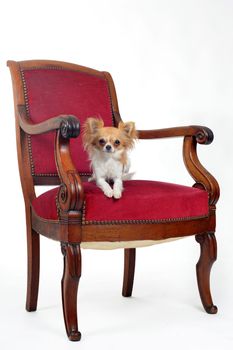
(107, 148)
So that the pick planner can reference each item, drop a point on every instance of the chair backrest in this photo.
(50, 88)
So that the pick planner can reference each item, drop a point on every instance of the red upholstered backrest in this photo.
(52, 91)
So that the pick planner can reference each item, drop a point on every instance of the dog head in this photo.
(108, 139)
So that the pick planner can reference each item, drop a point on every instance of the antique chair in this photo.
(52, 99)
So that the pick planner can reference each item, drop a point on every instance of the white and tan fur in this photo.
(107, 148)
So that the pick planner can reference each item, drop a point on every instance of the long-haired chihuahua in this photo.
(107, 148)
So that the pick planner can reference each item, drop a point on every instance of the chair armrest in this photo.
(192, 135)
(68, 124)
(70, 195)
(202, 134)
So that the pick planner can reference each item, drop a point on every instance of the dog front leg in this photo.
(105, 187)
(117, 188)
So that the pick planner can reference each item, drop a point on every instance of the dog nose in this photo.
(108, 147)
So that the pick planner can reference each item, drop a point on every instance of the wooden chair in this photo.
(52, 99)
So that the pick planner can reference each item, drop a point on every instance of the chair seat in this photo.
(142, 202)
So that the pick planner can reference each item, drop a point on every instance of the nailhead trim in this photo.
(84, 213)
(111, 104)
(63, 68)
(117, 222)
(28, 115)
(139, 221)
(56, 175)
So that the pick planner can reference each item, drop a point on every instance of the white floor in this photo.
(165, 311)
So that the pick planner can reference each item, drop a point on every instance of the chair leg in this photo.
(129, 268)
(33, 274)
(208, 256)
(69, 284)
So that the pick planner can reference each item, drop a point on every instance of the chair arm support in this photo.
(202, 177)
(71, 194)
(68, 124)
(202, 134)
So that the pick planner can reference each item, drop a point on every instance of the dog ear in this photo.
(129, 129)
(93, 124)
(90, 127)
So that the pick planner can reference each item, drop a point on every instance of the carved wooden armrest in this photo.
(192, 135)
(202, 134)
(68, 124)
(70, 195)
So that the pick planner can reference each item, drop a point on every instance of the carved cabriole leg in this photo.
(208, 256)
(33, 273)
(129, 268)
(69, 284)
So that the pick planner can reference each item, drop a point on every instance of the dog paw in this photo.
(108, 193)
(117, 194)
(91, 178)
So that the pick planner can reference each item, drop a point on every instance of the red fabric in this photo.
(51, 92)
(141, 200)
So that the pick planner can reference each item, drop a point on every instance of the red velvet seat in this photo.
(142, 201)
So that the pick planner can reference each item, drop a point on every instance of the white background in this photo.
(172, 65)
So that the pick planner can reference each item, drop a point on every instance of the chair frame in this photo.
(70, 231)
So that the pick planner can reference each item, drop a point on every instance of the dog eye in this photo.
(102, 142)
(117, 142)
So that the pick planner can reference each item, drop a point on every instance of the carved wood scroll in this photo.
(71, 194)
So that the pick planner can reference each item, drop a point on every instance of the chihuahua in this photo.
(107, 148)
